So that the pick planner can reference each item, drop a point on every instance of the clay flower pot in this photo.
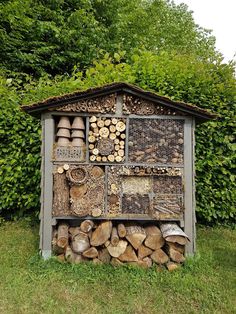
(63, 141)
(77, 142)
(63, 133)
(64, 123)
(78, 124)
(77, 133)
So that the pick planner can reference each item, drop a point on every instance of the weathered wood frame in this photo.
(47, 221)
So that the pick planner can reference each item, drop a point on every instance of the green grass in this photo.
(207, 283)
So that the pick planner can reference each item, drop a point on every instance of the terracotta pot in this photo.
(63, 133)
(64, 123)
(63, 141)
(77, 133)
(78, 123)
(77, 142)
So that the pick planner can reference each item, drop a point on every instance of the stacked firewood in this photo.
(119, 243)
(106, 139)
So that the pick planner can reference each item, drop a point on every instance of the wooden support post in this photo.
(46, 208)
(189, 221)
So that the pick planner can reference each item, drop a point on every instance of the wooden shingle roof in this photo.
(35, 109)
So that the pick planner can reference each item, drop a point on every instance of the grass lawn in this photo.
(206, 284)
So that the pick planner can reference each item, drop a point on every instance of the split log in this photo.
(128, 255)
(62, 235)
(159, 256)
(176, 256)
(114, 237)
(79, 258)
(101, 234)
(61, 257)
(69, 255)
(80, 242)
(92, 252)
(55, 248)
(61, 197)
(154, 239)
(73, 231)
(116, 262)
(177, 239)
(107, 243)
(104, 256)
(147, 261)
(116, 251)
(121, 230)
(175, 246)
(144, 251)
(172, 266)
(135, 235)
(86, 225)
(97, 261)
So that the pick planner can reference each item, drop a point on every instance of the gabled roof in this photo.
(119, 87)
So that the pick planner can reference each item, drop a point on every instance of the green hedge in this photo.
(211, 86)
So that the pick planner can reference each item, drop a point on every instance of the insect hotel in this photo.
(117, 176)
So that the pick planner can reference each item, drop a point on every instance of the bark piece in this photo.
(135, 235)
(144, 251)
(114, 237)
(128, 255)
(86, 225)
(80, 242)
(116, 251)
(154, 239)
(61, 197)
(101, 234)
(159, 257)
(121, 230)
(62, 235)
(92, 252)
(104, 255)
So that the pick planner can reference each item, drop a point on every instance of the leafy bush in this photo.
(182, 77)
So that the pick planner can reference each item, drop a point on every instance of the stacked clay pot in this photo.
(63, 132)
(77, 134)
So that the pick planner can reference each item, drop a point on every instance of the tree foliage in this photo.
(39, 36)
(182, 77)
